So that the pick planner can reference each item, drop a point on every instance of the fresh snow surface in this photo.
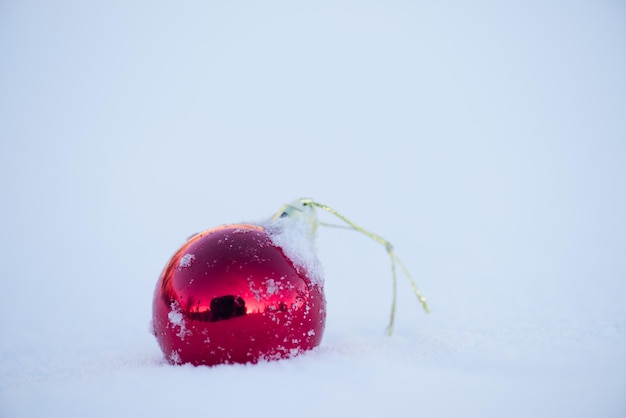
(484, 139)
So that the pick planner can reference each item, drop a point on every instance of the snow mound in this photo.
(296, 237)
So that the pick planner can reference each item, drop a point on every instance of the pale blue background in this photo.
(486, 140)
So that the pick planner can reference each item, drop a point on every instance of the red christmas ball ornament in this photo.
(245, 292)
(241, 293)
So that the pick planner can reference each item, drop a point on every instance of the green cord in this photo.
(392, 255)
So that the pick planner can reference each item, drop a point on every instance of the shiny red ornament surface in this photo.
(230, 295)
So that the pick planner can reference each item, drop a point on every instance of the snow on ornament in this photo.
(245, 292)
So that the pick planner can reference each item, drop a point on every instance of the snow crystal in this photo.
(271, 287)
(175, 317)
(295, 236)
(256, 292)
(175, 357)
(186, 260)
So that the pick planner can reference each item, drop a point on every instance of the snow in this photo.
(271, 287)
(186, 260)
(177, 320)
(484, 140)
(295, 236)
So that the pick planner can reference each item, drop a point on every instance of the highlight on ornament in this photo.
(246, 292)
